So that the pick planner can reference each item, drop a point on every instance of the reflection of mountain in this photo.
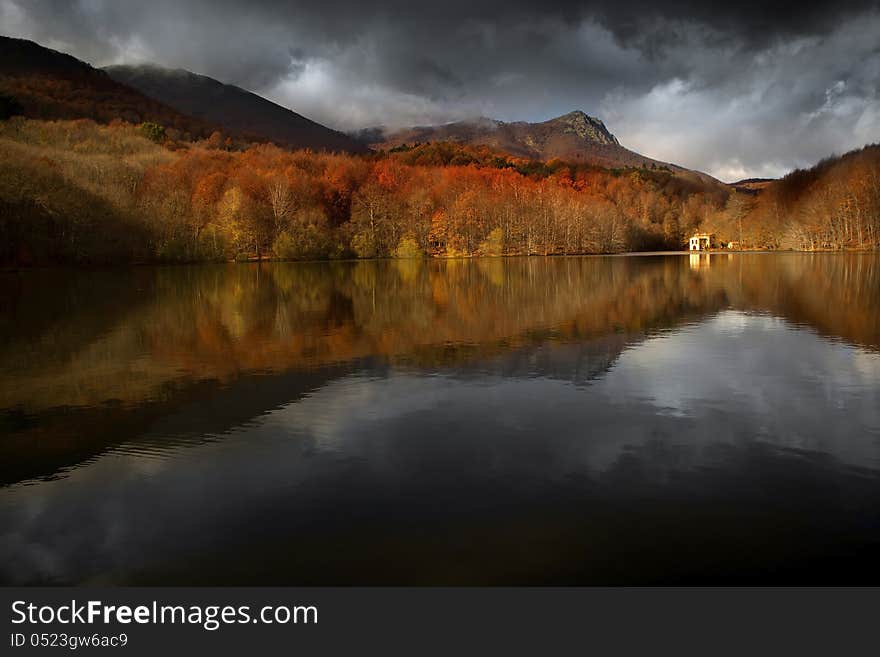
(835, 295)
(194, 412)
(655, 472)
(575, 362)
(96, 359)
(189, 414)
(220, 322)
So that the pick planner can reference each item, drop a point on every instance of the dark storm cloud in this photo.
(748, 87)
(751, 20)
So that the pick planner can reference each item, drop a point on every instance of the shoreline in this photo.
(12, 269)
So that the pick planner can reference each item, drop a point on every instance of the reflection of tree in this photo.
(128, 337)
(93, 358)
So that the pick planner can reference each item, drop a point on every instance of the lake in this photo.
(658, 419)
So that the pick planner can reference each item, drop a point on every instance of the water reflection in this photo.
(503, 420)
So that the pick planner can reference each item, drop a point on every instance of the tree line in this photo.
(81, 192)
(832, 206)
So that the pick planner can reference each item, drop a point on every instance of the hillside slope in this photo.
(48, 84)
(572, 137)
(237, 110)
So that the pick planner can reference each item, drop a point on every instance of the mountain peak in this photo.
(585, 126)
(574, 137)
(574, 115)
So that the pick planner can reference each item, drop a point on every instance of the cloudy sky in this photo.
(741, 89)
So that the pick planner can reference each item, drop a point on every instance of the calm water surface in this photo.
(658, 419)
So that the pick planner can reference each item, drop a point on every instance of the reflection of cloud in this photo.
(867, 366)
(684, 401)
(778, 382)
(733, 323)
(757, 374)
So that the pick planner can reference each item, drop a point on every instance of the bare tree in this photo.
(281, 199)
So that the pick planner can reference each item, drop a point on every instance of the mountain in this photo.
(237, 110)
(573, 137)
(47, 84)
(752, 185)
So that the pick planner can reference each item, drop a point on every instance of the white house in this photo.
(700, 242)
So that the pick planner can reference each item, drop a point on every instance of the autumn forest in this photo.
(77, 191)
(93, 170)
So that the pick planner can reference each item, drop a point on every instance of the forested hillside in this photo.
(47, 84)
(833, 205)
(76, 191)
